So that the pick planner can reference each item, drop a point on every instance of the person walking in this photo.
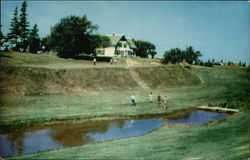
(94, 61)
(151, 97)
(132, 100)
(165, 102)
(159, 99)
(111, 61)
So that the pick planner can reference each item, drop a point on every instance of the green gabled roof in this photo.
(114, 39)
(132, 44)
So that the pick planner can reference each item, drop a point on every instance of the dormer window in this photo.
(125, 45)
(120, 44)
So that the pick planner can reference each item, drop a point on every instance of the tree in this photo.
(144, 49)
(208, 63)
(34, 40)
(173, 56)
(24, 25)
(240, 63)
(201, 63)
(99, 41)
(45, 47)
(229, 63)
(191, 56)
(14, 34)
(152, 53)
(1, 38)
(103, 41)
(177, 56)
(72, 36)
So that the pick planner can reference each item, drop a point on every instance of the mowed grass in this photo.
(115, 104)
(220, 85)
(52, 61)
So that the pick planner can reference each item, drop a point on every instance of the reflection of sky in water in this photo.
(48, 139)
(130, 128)
(29, 142)
(198, 118)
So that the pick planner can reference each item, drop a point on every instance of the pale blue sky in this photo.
(219, 30)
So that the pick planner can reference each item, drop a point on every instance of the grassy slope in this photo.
(220, 85)
(38, 94)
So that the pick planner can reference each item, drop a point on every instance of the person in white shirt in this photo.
(151, 97)
(132, 103)
(165, 102)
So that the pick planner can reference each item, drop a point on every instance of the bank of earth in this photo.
(38, 93)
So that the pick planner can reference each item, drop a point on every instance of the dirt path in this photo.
(137, 78)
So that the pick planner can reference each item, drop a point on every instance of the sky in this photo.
(218, 29)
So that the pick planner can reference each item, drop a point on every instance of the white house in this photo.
(121, 46)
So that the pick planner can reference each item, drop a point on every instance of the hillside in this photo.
(44, 90)
(22, 77)
(35, 95)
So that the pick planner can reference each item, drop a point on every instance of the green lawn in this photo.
(30, 98)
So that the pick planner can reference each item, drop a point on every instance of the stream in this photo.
(62, 136)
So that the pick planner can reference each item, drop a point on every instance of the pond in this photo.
(62, 136)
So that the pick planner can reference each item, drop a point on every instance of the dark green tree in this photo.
(144, 49)
(173, 56)
(102, 41)
(229, 63)
(240, 63)
(153, 53)
(190, 55)
(99, 41)
(45, 44)
(1, 38)
(34, 40)
(24, 27)
(72, 36)
(14, 34)
(208, 63)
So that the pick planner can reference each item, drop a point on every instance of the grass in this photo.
(40, 92)
(89, 104)
(51, 61)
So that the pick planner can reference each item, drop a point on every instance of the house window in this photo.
(117, 52)
(125, 45)
(120, 44)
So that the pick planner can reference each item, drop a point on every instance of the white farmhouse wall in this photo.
(110, 51)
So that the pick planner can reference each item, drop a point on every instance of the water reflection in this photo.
(62, 136)
(77, 134)
(197, 118)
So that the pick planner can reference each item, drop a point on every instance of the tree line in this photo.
(20, 36)
(70, 37)
(176, 55)
(74, 35)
